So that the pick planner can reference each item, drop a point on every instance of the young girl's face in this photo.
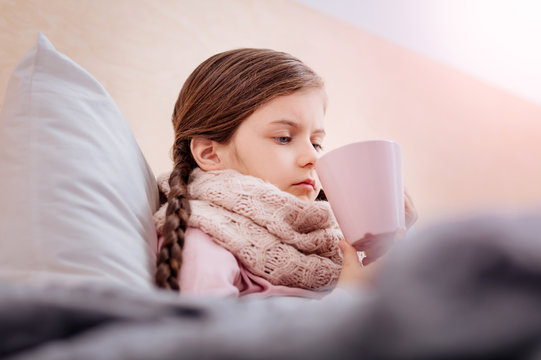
(280, 143)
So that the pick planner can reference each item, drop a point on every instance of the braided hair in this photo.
(215, 99)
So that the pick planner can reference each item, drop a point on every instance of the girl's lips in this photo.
(306, 185)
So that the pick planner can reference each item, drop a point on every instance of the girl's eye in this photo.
(283, 139)
(318, 147)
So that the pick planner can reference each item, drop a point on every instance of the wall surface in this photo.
(489, 39)
(467, 145)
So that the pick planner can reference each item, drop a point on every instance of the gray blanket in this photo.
(463, 290)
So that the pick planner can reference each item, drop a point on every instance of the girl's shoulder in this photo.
(196, 234)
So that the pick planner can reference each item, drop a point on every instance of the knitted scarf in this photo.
(274, 234)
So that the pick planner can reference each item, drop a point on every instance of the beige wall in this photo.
(466, 145)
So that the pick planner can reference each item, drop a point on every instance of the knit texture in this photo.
(274, 234)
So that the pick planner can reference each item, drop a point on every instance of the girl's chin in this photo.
(304, 196)
(307, 198)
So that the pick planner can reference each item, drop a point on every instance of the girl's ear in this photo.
(205, 154)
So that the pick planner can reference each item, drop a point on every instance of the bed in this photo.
(77, 245)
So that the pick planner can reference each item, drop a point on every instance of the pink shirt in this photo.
(211, 270)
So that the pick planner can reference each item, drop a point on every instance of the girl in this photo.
(241, 216)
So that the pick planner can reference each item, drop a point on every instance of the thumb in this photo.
(350, 255)
(352, 273)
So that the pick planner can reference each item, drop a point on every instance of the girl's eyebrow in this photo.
(295, 125)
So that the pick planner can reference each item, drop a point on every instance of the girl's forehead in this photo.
(300, 104)
(303, 110)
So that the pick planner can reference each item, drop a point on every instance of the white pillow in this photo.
(76, 194)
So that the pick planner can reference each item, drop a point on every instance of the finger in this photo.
(410, 211)
(408, 202)
(372, 255)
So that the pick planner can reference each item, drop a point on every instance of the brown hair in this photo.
(215, 99)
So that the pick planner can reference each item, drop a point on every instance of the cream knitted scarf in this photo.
(272, 233)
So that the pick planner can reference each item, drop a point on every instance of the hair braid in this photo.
(176, 219)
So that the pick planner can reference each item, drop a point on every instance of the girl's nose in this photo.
(308, 156)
